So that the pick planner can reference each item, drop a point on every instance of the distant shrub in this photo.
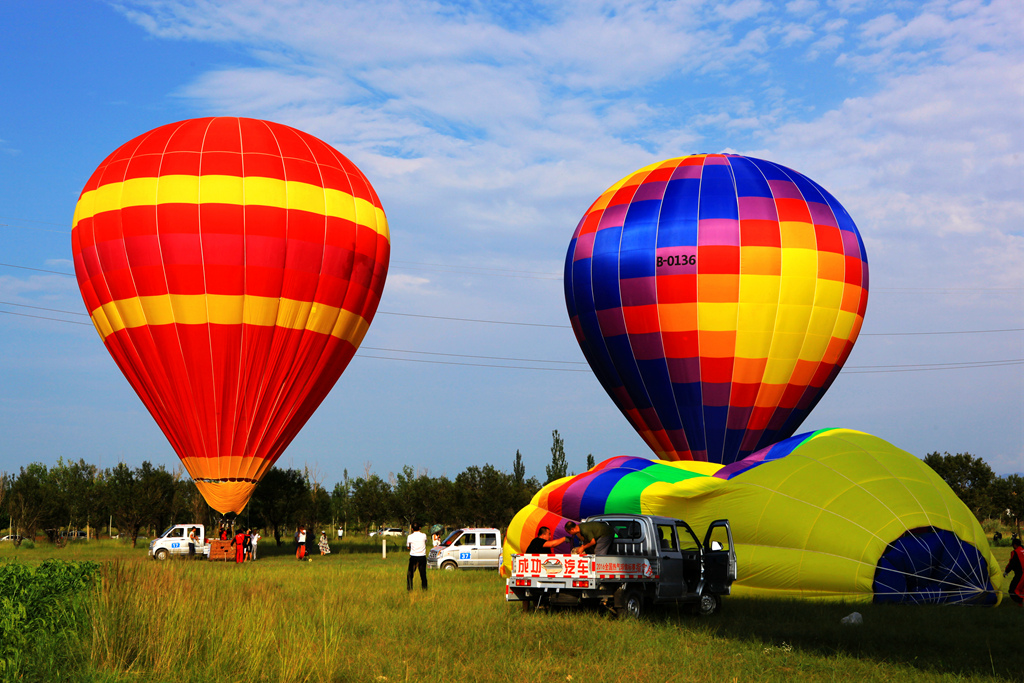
(990, 525)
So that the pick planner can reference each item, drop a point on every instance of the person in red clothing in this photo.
(223, 533)
(239, 542)
(1016, 566)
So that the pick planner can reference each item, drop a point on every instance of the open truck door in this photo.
(719, 557)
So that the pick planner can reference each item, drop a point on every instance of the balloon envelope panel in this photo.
(232, 267)
(716, 297)
(834, 514)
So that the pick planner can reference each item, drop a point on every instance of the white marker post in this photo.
(383, 548)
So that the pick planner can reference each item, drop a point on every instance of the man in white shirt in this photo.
(417, 545)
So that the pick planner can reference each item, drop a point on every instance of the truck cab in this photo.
(467, 548)
(174, 541)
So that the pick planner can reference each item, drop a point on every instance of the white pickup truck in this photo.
(174, 541)
(467, 548)
(654, 560)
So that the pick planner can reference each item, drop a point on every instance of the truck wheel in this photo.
(449, 566)
(161, 554)
(632, 605)
(709, 604)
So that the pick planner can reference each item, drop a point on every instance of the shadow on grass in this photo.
(936, 638)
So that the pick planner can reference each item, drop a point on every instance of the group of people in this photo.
(301, 538)
(245, 543)
(595, 537)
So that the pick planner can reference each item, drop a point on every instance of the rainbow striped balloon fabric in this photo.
(716, 298)
(833, 514)
(232, 267)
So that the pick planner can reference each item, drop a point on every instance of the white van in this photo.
(174, 541)
(467, 548)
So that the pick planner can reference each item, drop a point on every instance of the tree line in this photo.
(986, 495)
(145, 500)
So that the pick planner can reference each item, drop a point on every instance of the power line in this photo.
(471, 320)
(476, 365)
(464, 355)
(851, 369)
(29, 220)
(951, 366)
(909, 334)
(509, 322)
(40, 308)
(41, 317)
(38, 270)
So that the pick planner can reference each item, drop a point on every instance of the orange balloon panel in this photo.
(716, 298)
(232, 267)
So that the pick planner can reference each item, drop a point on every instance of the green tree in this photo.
(518, 469)
(590, 461)
(559, 466)
(340, 501)
(1008, 498)
(77, 494)
(125, 501)
(28, 499)
(158, 488)
(279, 499)
(442, 501)
(969, 476)
(371, 500)
(412, 496)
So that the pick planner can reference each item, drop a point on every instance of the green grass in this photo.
(348, 617)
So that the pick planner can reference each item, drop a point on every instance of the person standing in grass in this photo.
(300, 541)
(416, 542)
(192, 543)
(1015, 565)
(239, 542)
(255, 540)
(325, 546)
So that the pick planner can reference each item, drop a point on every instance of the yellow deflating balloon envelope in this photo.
(832, 514)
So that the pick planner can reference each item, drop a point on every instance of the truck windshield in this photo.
(451, 537)
(166, 531)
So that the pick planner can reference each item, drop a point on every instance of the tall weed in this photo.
(42, 611)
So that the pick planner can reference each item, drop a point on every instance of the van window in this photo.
(687, 541)
(176, 533)
(667, 537)
(488, 539)
(627, 531)
(719, 539)
(467, 539)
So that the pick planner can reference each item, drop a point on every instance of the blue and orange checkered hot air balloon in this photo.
(716, 298)
(232, 267)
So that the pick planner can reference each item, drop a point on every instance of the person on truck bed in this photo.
(540, 545)
(596, 535)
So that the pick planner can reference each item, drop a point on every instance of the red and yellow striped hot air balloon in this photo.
(232, 267)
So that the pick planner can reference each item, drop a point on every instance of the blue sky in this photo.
(487, 129)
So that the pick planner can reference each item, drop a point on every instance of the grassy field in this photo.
(348, 617)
